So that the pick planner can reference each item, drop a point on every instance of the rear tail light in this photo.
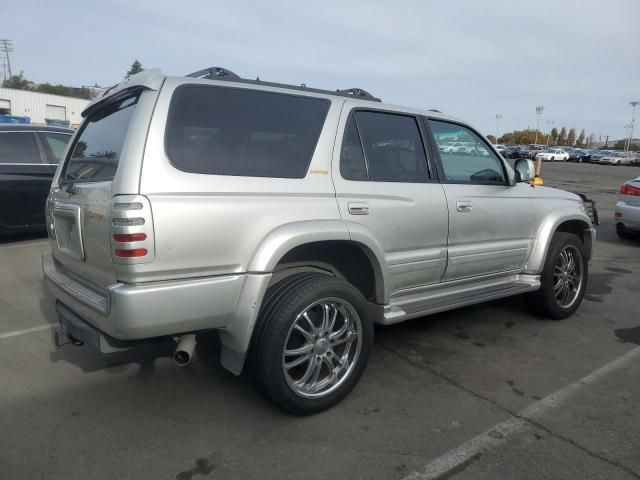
(129, 237)
(627, 189)
(133, 253)
(132, 235)
(127, 222)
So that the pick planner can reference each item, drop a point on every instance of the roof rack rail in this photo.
(219, 73)
(358, 93)
(215, 73)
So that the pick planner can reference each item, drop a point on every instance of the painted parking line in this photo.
(25, 331)
(456, 458)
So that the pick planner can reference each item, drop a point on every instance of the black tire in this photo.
(623, 233)
(543, 301)
(284, 302)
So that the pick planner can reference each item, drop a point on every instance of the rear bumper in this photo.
(628, 215)
(154, 309)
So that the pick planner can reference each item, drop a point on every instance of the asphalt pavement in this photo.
(485, 392)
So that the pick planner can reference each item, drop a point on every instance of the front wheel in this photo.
(563, 280)
(313, 342)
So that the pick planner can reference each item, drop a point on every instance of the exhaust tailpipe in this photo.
(184, 351)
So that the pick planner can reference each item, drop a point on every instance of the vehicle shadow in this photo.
(22, 237)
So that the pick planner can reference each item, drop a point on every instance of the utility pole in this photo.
(539, 111)
(606, 141)
(498, 117)
(6, 47)
(634, 104)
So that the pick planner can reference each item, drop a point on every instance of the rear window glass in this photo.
(96, 152)
(18, 147)
(56, 142)
(231, 131)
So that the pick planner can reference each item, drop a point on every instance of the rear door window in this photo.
(232, 131)
(383, 147)
(96, 151)
(19, 147)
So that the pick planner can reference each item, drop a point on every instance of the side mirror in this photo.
(525, 170)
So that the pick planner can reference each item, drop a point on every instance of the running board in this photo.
(395, 313)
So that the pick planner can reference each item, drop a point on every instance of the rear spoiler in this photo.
(147, 80)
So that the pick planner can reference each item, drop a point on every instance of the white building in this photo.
(40, 107)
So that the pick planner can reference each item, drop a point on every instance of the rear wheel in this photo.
(624, 233)
(313, 342)
(563, 280)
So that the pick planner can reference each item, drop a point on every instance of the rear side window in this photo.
(383, 147)
(231, 131)
(18, 147)
(96, 152)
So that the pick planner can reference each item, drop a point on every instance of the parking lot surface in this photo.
(485, 392)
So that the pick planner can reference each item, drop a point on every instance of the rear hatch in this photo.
(78, 207)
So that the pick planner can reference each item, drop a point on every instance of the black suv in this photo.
(29, 155)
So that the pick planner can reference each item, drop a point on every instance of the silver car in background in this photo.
(627, 211)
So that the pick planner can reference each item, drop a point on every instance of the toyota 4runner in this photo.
(290, 220)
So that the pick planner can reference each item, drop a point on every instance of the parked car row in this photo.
(569, 154)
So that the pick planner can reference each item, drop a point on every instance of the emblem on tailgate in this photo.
(95, 215)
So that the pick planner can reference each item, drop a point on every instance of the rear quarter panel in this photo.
(213, 224)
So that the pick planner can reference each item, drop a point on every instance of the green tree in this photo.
(491, 139)
(571, 138)
(580, 141)
(54, 89)
(136, 67)
(554, 136)
(562, 137)
(591, 140)
(18, 82)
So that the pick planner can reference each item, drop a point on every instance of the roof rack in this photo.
(219, 73)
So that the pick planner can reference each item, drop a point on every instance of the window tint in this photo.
(18, 147)
(56, 142)
(96, 152)
(392, 146)
(231, 131)
(466, 158)
(352, 164)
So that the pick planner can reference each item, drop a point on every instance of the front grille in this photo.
(592, 211)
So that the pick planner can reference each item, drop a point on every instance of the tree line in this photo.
(561, 138)
(19, 82)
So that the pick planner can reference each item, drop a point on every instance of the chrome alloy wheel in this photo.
(567, 276)
(322, 347)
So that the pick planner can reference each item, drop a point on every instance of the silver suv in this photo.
(290, 220)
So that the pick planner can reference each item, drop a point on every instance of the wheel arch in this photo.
(556, 221)
(323, 245)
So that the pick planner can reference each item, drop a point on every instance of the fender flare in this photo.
(235, 338)
(547, 228)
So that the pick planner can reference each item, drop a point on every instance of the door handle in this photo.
(464, 206)
(358, 209)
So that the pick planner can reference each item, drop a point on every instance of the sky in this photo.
(580, 59)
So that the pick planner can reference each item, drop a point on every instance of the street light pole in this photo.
(539, 111)
(498, 117)
(634, 104)
(627, 138)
